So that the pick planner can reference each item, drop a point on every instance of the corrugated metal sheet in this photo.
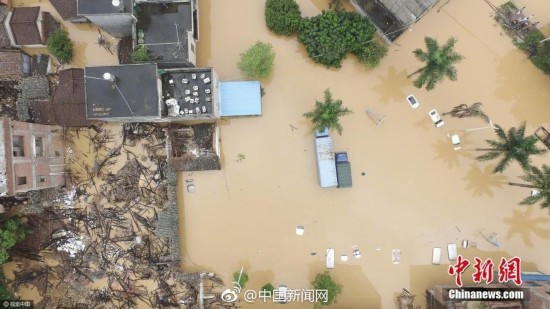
(325, 162)
(240, 99)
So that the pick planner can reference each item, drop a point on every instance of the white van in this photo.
(329, 258)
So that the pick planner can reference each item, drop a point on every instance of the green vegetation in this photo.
(282, 17)
(538, 52)
(439, 61)
(528, 40)
(511, 145)
(60, 46)
(257, 61)
(141, 54)
(372, 54)
(336, 5)
(268, 287)
(536, 179)
(327, 114)
(243, 280)
(4, 292)
(325, 282)
(332, 35)
(11, 232)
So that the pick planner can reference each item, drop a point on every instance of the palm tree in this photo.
(326, 114)
(539, 180)
(439, 63)
(511, 145)
(463, 111)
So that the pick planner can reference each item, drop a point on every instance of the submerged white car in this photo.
(435, 118)
(282, 295)
(413, 102)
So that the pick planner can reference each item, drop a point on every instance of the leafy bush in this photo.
(243, 280)
(257, 61)
(539, 53)
(12, 232)
(324, 282)
(60, 46)
(268, 287)
(4, 292)
(330, 36)
(282, 16)
(141, 54)
(336, 5)
(372, 53)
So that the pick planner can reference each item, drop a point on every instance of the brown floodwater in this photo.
(86, 51)
(417, 192)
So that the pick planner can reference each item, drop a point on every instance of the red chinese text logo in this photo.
(458, 269)
(508, 270)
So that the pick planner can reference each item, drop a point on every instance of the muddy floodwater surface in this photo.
(411, 191)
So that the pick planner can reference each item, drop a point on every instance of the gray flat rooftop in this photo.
(136, 91)
(165, 27)
(92, 7)
(188, 90)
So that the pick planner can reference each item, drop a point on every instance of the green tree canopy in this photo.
(141, 54)
(257, 61)
(60, 46)
(511, 146)
(268, 287)
(536, 179)
(325, 282)
(242, 280)
(282, 17)
(439, 63)
(11, 232)
(327, 113)
(5, 293)
(330, 36)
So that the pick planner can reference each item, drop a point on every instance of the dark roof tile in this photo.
(65, 8)
(23, 26)
(11, 65)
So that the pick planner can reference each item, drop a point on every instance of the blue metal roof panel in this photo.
(240, 99)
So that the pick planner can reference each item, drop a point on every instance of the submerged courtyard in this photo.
(411, 191)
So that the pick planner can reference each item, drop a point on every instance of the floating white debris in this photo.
(299, 230)
(72, 246)
(344, 258)
(396, 256)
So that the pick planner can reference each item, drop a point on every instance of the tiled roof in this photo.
(65, 8)
(68, 105)
(4, 38)
(10, 65)
(49, 25)
(42, 112)
(23, 26)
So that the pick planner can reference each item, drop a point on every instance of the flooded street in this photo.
(416, 193)
(86, 52)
